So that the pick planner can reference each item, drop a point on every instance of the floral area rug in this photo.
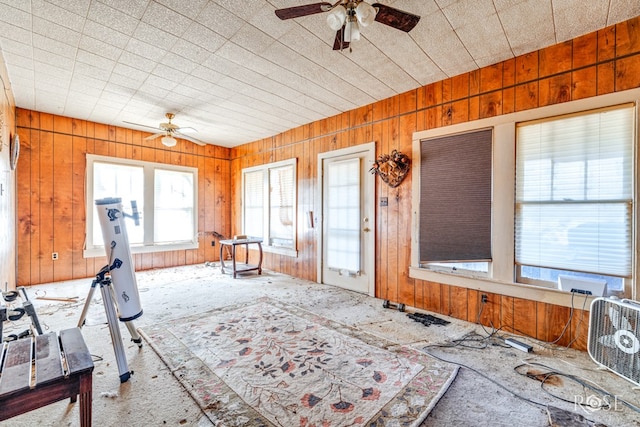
(273, 364)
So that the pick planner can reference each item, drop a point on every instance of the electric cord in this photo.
(584, 304)
(513, 393)
(544, 378)
(606, 397)
(542, 343)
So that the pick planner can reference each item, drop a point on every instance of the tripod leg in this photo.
(3, 317)
(114, 329)
(135, 337)
(129, 324)
(83, 316)
(31, 312)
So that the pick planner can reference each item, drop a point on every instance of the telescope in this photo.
(116, 245)
(117, 279)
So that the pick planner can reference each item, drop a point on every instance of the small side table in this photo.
(242, 267)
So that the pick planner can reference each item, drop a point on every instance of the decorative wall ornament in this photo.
(15, 151)
(392, 168)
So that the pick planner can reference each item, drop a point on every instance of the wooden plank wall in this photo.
(598, 63)
(7, 184)
(51, 194)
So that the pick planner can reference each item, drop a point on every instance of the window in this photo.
(455, 201)
(574, 197)
(343, 214)
(563, 183)
(166, 198)
(269, 205)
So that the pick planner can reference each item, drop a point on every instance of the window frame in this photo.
(149, 246)
(550, 199)
(501, 277)
(266, 205)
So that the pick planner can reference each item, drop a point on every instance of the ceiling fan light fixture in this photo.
(337, 17)
(169, 141)
(365, 13)
(351, 31)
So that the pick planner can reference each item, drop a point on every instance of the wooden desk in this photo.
(242, 267)
(54, 380)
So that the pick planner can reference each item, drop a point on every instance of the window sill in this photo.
(280, 251)
(99, 251)
(516, 290)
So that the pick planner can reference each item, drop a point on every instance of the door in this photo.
(346, 257)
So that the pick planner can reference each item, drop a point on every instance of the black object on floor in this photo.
(387, 304)
(427, 319)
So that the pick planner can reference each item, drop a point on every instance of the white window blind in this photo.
(281, 205)
(254, 204)
(269, 205)
(574, 192)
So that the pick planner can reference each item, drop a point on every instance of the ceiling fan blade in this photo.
(395, 18)
(187, 129)
(339, 43)
(141, 125)
(189, 138)
(154, 136)
(304, 10)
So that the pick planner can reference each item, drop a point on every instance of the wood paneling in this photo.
(587, 66)
(51, 201)
(593, 64)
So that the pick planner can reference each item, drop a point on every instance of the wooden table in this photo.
(241, 267)
(62, 368)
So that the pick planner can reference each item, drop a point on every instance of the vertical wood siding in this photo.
(51, 194)
(598, 63)
(51, 212)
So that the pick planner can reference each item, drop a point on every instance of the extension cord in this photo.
(519, 345)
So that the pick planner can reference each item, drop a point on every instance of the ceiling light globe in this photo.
(351, 31)
(336, 17)
(169, 141)
(365, 13)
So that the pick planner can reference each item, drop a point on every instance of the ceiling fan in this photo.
(169, 132)
(347, 16)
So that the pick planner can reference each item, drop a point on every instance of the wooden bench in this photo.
(60, 368)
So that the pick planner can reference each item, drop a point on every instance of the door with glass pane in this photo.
(347, 254)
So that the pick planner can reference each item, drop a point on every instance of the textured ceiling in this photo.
(236, 73)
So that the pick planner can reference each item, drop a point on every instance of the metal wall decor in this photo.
(392, 168)
(15, 151)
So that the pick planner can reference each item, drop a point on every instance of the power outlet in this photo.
(54, 256)
(213, 243)
(484, 298)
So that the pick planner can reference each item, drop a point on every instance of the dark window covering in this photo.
(455, 197)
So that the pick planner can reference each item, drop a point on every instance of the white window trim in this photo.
(501, 270)
(91, 251)
(266, 247)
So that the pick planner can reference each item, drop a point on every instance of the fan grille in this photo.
(614, 337)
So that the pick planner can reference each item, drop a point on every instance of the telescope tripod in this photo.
(103, 279)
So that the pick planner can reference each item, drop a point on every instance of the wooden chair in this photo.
(62, 368)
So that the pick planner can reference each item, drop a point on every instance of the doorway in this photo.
(346, 256)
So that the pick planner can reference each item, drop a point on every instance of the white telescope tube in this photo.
(116, 245)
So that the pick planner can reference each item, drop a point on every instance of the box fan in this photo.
(614, 336)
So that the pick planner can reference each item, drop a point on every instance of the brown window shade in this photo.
(455, 197)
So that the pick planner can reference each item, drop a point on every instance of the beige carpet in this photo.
(269, 363)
